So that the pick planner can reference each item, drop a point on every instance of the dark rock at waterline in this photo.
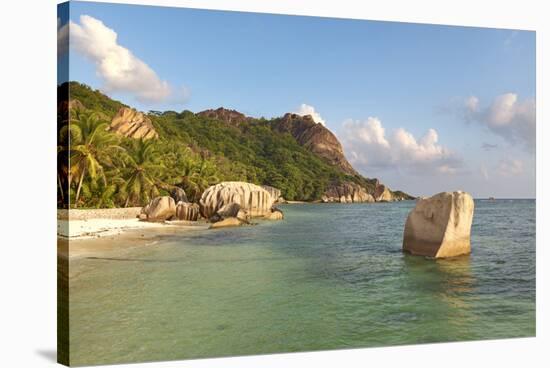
(178, 195)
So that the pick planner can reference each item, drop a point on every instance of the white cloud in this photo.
(305, 109)
(506, 116)
(117, 66)
(62, 38)
(510, 167)
(368, 146)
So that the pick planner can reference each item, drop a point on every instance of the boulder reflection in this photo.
(449, 286)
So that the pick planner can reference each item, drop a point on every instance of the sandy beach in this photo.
(97, 228)
(93, 231)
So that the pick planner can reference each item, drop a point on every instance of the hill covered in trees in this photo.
(112, 156)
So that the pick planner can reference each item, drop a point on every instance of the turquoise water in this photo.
(329, 276)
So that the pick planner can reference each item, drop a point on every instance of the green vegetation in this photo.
(192, 152)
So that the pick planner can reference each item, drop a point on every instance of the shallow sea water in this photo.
(328, 276)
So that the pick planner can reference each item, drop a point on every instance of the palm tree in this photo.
(197, 176)
(142, 172)
(91, 149)
(102, 194)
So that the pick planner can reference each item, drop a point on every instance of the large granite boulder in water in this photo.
(440, 226)
(253, 199)
(346, 193)
(187, 211)
(159, 209)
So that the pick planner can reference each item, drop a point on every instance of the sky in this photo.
(424, 108)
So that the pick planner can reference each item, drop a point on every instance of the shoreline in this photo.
(91, 232)
(86, 224)
(101, 227)
(129, 238)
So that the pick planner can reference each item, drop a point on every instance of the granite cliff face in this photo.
(316, 138)
(133, 124)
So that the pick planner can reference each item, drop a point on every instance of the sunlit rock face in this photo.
(159, 209)
(346, 193)
(440, 226)
(133, 124)
(382, 193)
(252, 198)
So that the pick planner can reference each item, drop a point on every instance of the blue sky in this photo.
(425, 108)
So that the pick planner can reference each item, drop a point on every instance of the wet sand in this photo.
(125, 238)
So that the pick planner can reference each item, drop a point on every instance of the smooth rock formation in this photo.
(228, 222)
(346, 193)
(274, 192)
(159, 209)
(275, 214)
(439, 226)
(253, 199)
(133, 124)
(382, 193)
(187, 211)
(178, 195)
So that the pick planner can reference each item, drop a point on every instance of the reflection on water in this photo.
(456, 274)
(327, 277)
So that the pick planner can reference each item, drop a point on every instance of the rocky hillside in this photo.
(225, 115)
(292, 153)
(316, 138)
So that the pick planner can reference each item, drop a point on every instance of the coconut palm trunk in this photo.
(79, 187)
(60, 188)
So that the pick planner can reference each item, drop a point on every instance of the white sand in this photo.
(95, 228)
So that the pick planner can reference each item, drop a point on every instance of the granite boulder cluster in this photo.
(223, 204)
